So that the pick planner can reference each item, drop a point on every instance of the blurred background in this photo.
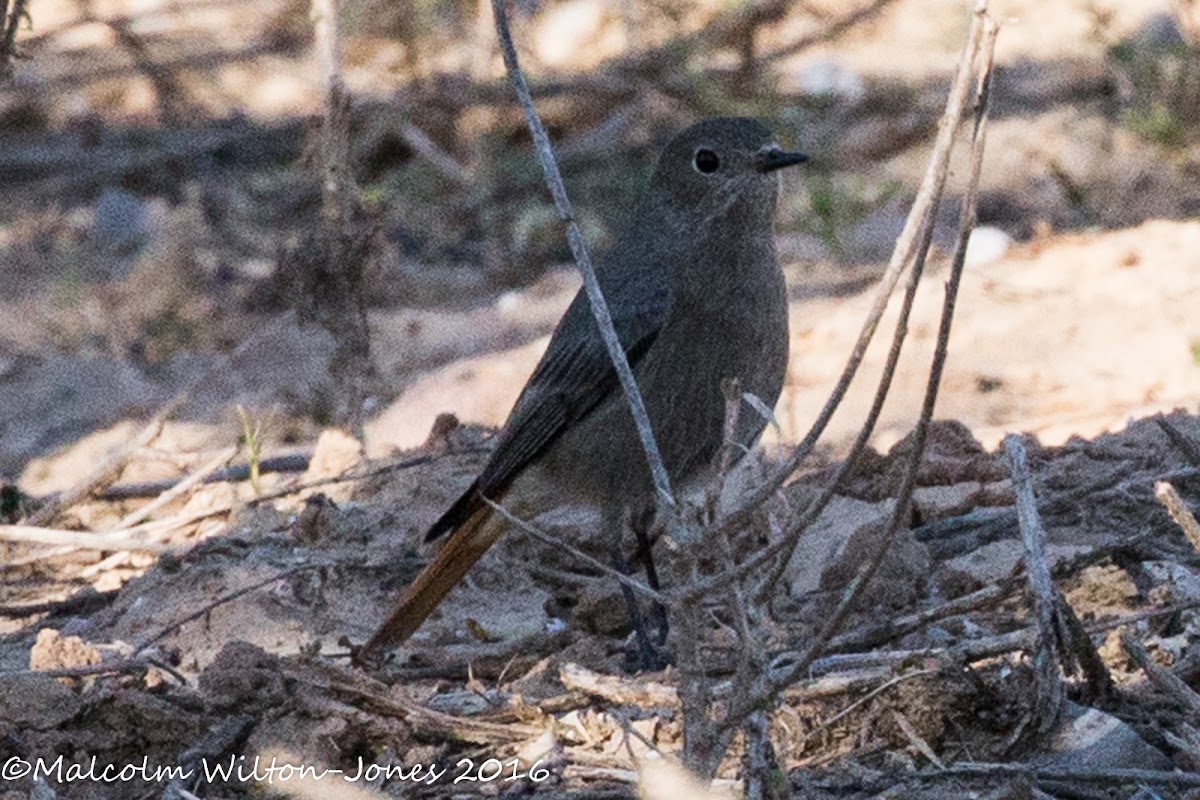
(159, 161)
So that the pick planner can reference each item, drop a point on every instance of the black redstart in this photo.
(696, 296)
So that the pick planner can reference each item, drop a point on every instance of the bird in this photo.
(696, 297)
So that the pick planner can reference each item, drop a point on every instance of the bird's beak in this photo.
(770, 159)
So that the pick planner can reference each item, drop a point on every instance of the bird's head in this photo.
(720, 163)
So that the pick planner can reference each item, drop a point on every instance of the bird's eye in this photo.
(706, 161)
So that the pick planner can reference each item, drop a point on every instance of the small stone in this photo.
(987, 244)
(1089, 739)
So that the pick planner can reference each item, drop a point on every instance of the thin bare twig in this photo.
(907, 246)
(1052, 634)
(521, 526)
(220, 601)
(829, 32)
(8, 34)
(541, 142)
(120, 539)
(783, 549)
(1179, 512)
(442, 161)
(979, 53)
(1112, 777)
(186, 483)
(109, 668)
(80, 604)
(617, 689)
(89, 540)
(234, 473)
(1163, 678)
(336, 180)
(330, 268)
(868, 697)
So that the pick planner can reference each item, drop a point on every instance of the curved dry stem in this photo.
(554, 182)
(978, 62)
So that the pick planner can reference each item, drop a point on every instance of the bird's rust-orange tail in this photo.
(460, 552)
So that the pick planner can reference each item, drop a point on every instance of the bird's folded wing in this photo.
(573, 377)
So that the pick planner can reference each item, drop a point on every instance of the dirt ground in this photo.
(156, 160)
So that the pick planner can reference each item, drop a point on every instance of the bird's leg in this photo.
(645, 656)
(658, 613)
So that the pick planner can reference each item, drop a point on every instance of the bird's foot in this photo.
(643, 655)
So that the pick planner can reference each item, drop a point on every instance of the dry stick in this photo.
(874, 634)
(783, 549)
(877, 634)
(110, 467)
(750, 653)
(916, 740)
(756, 729)
(408, 463)
(335, 143)
(702, 745)
(618, 689)
(1049, 687)
(110, 540)
(971, 650)
(119, 539)
(442, 161)
(220, 601)
(1185, 445)
(198, 475)
(1179, 512)
(8, 38)
(868, 697)
(111, 667)
(757, 760)
(372, 696)
(906, 248)
(1163, 678)
(1114, 777)
(789, 542)
(233, 473)
(33, 558)
(557, 543)
(984, 37)
(830, 32)
(80, 603)
(541, 143)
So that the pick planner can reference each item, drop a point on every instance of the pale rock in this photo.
(1089, 739)
(987, 244)
(825, 540)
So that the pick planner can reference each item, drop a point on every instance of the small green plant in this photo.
(1156, 123)
(1195, 348)
(1160, 85)
(254, 430)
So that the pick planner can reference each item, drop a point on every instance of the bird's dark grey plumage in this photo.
(696, 297)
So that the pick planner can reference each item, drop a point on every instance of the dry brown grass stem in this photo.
(907, 250)
(976, 61)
